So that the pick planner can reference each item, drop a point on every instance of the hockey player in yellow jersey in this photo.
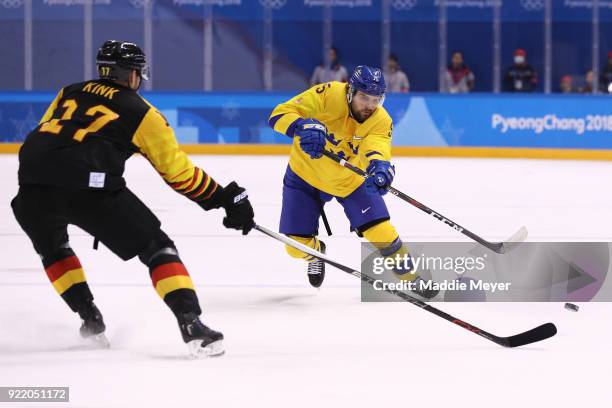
(350, 120)
(71, 172)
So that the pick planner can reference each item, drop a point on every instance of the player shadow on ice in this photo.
(287, 300)
(178, 356)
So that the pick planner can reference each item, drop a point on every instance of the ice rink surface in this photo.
(289, 345)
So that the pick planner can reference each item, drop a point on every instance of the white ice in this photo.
(292, 346)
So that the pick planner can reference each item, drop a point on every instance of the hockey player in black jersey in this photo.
(70, 172)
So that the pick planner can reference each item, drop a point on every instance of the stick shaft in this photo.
(502, 341)
(494, 246)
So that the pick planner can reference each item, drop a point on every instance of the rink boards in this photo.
(476, 125)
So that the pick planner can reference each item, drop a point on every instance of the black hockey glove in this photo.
(238, 209)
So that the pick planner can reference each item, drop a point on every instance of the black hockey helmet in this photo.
(116, 59)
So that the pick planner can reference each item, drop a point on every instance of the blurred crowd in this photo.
(519, 76)
(584, 83)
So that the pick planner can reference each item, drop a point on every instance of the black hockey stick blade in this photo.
(531, 336)
(534, 335)
(508, 245)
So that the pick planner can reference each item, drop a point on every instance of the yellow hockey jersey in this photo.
(357, 142)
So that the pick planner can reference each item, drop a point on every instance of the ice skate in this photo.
(423, 286)
(316, 269)
(201, 340)
(93, 327)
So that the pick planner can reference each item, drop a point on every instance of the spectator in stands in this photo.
(459, 78)
(334, 72)
(567, 84)
(605, 80)
(588, 83)
(396, 79)
(521, 77)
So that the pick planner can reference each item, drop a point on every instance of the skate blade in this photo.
(214, 349)
(97, 341)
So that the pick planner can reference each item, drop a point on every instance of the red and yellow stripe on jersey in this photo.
(65, 273)
(358, 142)
(169, 277)
(156, 141)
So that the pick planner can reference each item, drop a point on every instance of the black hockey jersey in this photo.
(89, 131)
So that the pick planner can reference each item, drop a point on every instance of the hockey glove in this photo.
(380, 177)
(238, 209)
(312, 136)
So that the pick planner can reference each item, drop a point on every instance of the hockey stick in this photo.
(499, 247)
(530, 336)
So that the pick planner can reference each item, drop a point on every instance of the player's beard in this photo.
(361, 116)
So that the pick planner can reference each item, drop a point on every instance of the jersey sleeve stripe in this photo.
(372, 153)
(273, 119)
(212, 191)
(156, 140)
(286, 123)
(203, 185)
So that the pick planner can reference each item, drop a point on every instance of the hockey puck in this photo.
(571, 306)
